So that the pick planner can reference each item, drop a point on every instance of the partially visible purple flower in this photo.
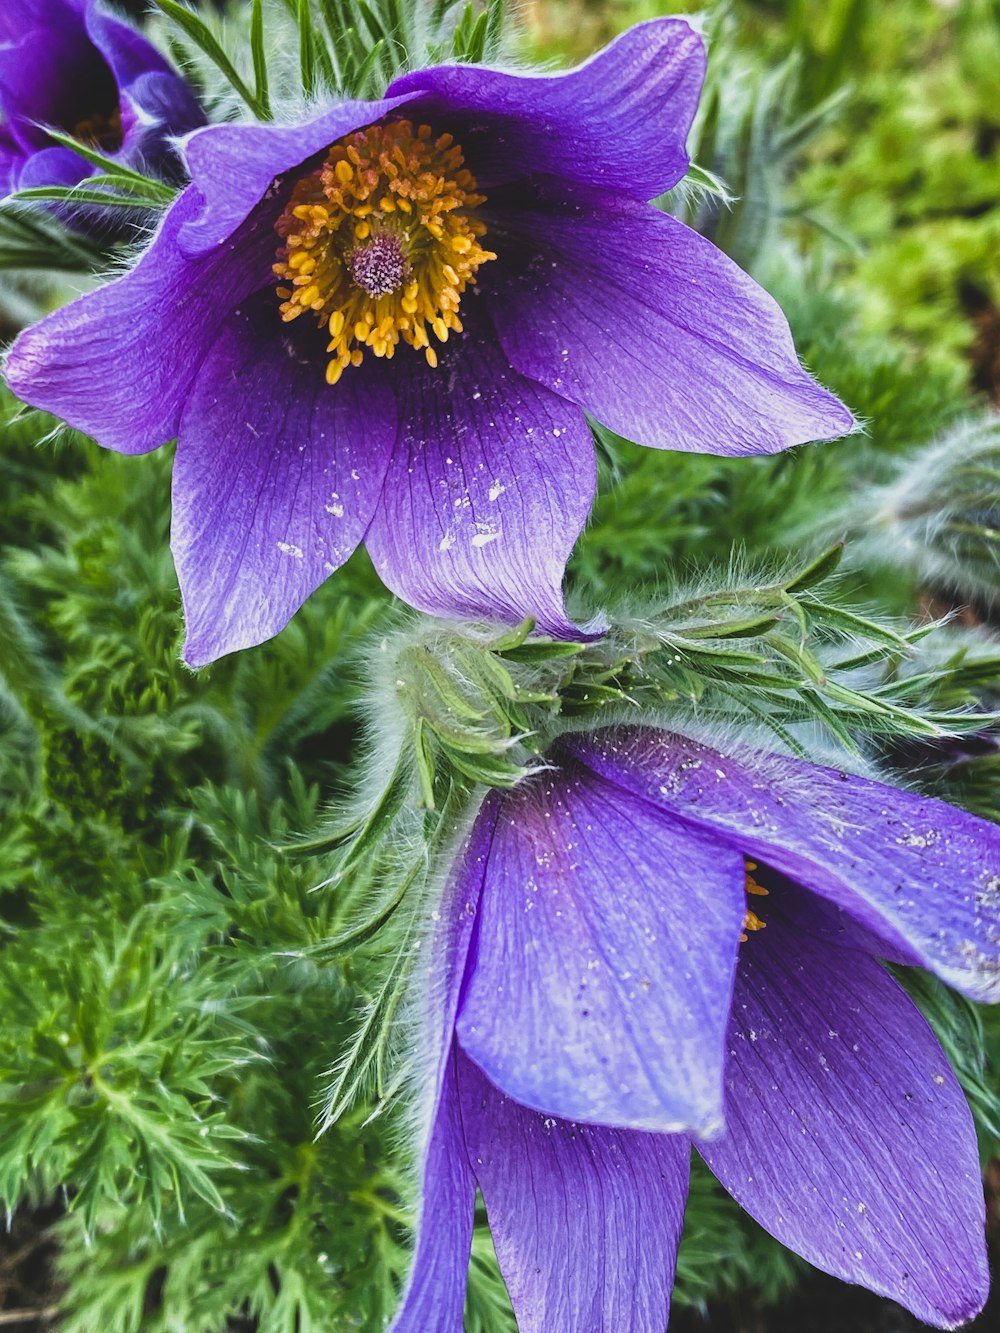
(493, 230)
(612, 994)
(71, 66)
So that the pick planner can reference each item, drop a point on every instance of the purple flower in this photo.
(385, 325)
(611, 993)
(68, 65)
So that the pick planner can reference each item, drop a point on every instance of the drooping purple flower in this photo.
(657, 943)
(386, 324)
(71, 66)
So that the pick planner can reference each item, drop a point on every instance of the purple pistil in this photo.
(379, 266)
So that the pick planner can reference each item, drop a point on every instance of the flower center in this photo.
(751, 921)
(89, 106)
(101, 130)
(379, 266)
(380, 241)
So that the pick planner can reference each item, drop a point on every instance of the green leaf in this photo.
(377, 59)
(346, 1084)
(78, 194)
(259, 55)
(749, 627)
(139, 183)
(32, 239)
(817, 570)
(201, 34)
(365, 829)
(862, 626)
(307, 47)
(542, 650)
(515, 638)
(156, 190)
(349, 941)
(424, 756)
(496, 14)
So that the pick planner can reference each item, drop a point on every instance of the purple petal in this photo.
(849, 1138)
(488, 489)
(585, 1220)
(127, 52)
(659, 335)
(72, 59)
(18, 16)
(435, 1292)
(275, 480)
(53, 166)
(166, 101)
(10, 163)
(619, 122)
(155, 109)
(827, 921)
(236, 166)
(450, 938)
(41, 76)
(119, 362)
(920, 874)
(604, 960)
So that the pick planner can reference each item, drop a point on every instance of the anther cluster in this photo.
(380, 242)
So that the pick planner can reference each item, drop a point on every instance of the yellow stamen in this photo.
(380, 243)
(751, 921)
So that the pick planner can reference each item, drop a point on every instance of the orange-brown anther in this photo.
(101, 130)
(380, 242)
